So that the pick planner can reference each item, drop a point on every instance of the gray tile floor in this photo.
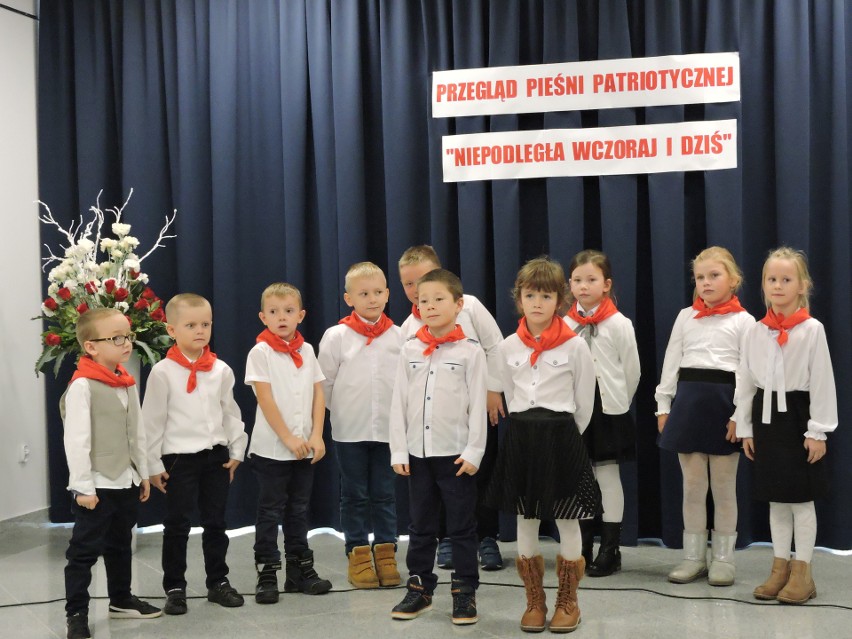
(636, 603)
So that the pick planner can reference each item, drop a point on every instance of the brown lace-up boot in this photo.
(566, 617)
(531, 571)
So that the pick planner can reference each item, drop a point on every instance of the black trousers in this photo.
(285, 494)
(196, 480)
(433, 481)
(104, 531)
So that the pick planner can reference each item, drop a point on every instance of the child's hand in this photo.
(731, 435)
(159, 481)
(87, 501)
(661, 421)
(816, 449)
(144, 490)
(494, 406)
(466, 467)
(402, 469)
(748, 447)
(317, 445)
(298, 446)
(231, 465)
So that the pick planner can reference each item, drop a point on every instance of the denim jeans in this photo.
(367, 493)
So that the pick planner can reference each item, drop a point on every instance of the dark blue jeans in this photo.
(367, 493)
(433, 481)
(285, 493)
(196, 480)
(106, 531)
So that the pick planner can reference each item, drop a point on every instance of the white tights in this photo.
(789, 520)
(570, 544)
(612, 494)
(722, 482)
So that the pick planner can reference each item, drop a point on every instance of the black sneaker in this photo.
(489, 554)
(133, 608)
(415, 602)
(78, 626)
(445, 554)
(175, 602)
(464, 603)
(225, 595)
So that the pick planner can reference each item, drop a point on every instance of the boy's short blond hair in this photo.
(362, 269)
(724, 257)
(801, 261)
(418, 254)
(447, 278)
(542, 274)
(281, 289)
(184, 299)
(87, 326)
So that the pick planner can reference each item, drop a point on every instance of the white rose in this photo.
(51, 290)
(46, 311)
(120, 229)
(55, 274)
(122, 306)
(86, 245)
(131, 265)
(129, 243)
(143, 277)
(117, 253)
(107, 244)
(71, 285)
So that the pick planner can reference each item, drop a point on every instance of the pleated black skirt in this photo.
(610, 437)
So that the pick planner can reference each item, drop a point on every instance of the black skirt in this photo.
(610, 437)
(543, 470)
(701, 410)
(781, 469)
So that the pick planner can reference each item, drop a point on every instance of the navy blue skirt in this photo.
(701, 410)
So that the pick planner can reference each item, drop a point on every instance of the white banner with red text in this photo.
(706, 145)
(601, 84)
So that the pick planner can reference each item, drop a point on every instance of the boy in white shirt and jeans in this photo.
(196, 440)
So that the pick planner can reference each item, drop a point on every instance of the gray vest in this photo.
(114, 429)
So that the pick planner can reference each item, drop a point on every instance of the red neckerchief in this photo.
(605, 309)
(557, 333)
(204, 363)
(778, 322)
(370, 331)
(433, 342)
(415, 310)
(731, 306)
(280, 346)
(90, 369)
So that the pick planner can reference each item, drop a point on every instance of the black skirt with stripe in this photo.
(610, 437)
(543, 470)
(781, 469)
(701, 410)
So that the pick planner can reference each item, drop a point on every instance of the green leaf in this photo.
(58, 363)
(152, 358)
(47, 355)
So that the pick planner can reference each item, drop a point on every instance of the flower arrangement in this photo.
(82, 279)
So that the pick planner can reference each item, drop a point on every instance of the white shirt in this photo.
(181, 422)
(438, 406)
(802, 364)
(562, 378)
(359, 382)
(616, 359)
(712, 342)
(78, 441)
(293, 392)
(477, 323)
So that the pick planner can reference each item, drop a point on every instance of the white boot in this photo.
(694, 564)
(722, 569)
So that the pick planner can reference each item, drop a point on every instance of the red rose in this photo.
(141, 304)
(158, 315)
(133, 274)
(82, 308)
(52, 339)
(109, 285)
(64, 293)
(91, 288)
(50, 304)
(149, 294)
(121, 294)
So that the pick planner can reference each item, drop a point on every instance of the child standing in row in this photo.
(696, 399)
(611, 436)
(107, 468)
(543, 470)
(358, 358)
(437, 439)
(788, 403)
(196, 440)
(286, 443)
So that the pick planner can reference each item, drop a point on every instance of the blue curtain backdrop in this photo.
(295, 138)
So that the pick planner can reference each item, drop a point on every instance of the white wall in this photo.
(23, 486)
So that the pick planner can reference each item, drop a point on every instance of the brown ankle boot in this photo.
(361, 573)
(531, 570)
(777, 579)
(800, 586)
(566, 617)
(385, 559)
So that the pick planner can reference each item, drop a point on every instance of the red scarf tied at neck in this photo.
(432, 342)
(605, 309)
(370, 331)
(415, 310)
(90, 369)
(280, 346)
(731, 306)
(557, 333)
(204, 364)
(777, 322)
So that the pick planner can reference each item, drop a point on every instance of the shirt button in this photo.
(427, 428)
(535, 367)
(431, 372)
(554, 362)
(532, 403)
(428, 398)
(517, 363)
(533, 383)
